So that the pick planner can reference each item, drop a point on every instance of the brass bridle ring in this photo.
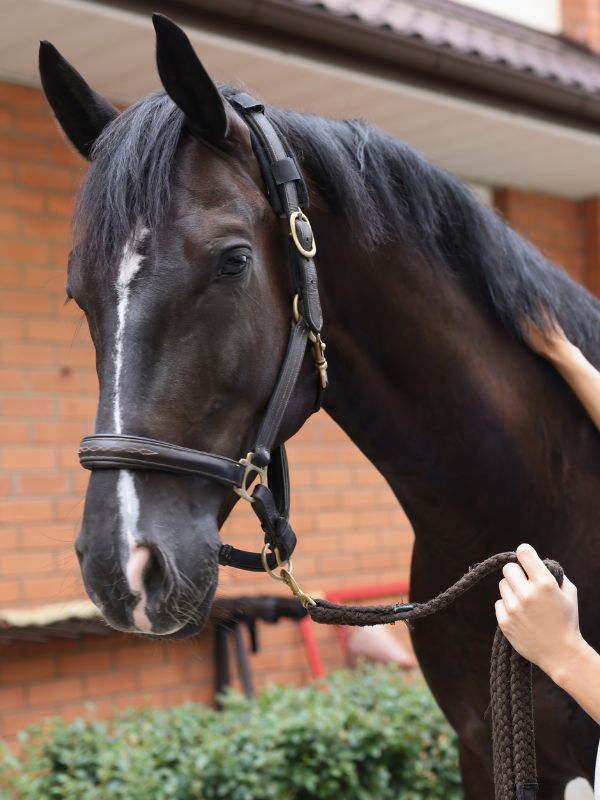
(287, 564)
(294, 233)
(261, 472)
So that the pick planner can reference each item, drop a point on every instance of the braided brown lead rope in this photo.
(513, 736)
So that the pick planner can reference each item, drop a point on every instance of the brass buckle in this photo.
(242, 489)
(286, 576)
(320, 360)
(317, 343)
(293, 217)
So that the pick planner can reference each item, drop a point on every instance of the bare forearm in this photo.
(578, 673)
(581, 376)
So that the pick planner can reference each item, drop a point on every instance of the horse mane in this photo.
(377, 184)
(390, 192)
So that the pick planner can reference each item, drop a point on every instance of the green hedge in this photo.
(367, 736)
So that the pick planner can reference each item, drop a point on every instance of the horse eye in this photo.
(235, 262)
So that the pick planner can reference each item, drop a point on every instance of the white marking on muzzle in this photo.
(138, 556)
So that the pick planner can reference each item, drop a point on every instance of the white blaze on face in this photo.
(138, 556)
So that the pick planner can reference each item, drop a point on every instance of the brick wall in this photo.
(566, 231)
(581, 21)
(351, 529)
(553, 224)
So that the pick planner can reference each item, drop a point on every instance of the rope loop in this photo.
(511, 692)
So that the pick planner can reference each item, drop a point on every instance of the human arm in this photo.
(540, 620)
(569, 361)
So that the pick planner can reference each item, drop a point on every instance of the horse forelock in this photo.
(129, 180)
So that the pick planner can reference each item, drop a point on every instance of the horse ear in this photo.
(81, 113)
(186, 81)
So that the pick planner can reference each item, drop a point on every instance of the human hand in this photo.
(550, 343)
(539, 618)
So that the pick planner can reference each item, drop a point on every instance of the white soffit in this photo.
(545, 15)
(114, 50)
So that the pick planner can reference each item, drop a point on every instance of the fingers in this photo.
(501, 615)
(516, 579)
(509, 597)
(532, 563)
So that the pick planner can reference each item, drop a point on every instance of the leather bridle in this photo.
(270, 498)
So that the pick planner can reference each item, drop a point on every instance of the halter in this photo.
(270, 498)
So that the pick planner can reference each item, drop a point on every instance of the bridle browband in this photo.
(270, 498)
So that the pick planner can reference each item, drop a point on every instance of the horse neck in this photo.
(432, 389)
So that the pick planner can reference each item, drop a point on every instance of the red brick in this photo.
(11, 698)
(59, 432)
(78, 407)
(142, 654)
(27, 149)
(10, 327)
(43, 484)
(40, 126)
(22, 97)
(7, 120)
(62, 381)
(85, 663)
(26, 564)
(11, 380)
(14, 723)
(69, 509)
(26, 406)
(66, 155)
(60, 205)
(46, 228)
(45, 536)
(55, 691)
(51, 330)
(25, 510)
(9, 275)
(9, 538)
(22, 670)
(27, 354)
(10, 591)
(60, 254)
(166, 675)
(112, 683)
(28, 458)
(68, 457)
(51, 590)
(82, 359)
(24, 251)
(14, 302)
(7, 170)
(49, 279)
(9, 223)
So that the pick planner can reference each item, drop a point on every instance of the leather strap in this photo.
(286, 382)
(287, 193)
(109, 451)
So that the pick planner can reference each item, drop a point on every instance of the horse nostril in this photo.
(79, 551)
(157, 574)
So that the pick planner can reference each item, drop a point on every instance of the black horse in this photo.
(179, 266)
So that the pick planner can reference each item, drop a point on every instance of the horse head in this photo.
(179, 264)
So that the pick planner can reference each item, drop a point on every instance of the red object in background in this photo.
(373, 592)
